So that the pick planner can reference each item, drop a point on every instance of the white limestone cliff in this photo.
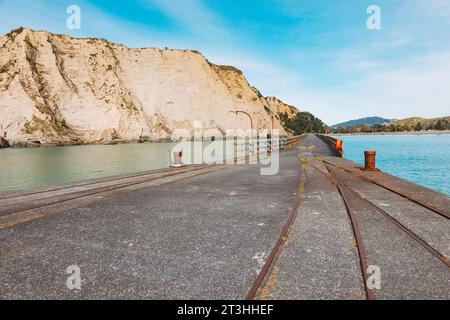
(56, 88)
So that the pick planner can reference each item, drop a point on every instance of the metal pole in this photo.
(249, 116)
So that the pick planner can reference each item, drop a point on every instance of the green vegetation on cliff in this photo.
(302, 122)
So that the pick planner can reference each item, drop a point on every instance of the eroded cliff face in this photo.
(61, 89)
(280, 107)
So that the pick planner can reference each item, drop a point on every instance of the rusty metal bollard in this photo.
(370, 161)
(339, 145)
(177, 159)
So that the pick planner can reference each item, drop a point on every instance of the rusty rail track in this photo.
(406, 230)
(363, 258)
(94, 190)
(272, 259)
(404, 195)
(97, 191)
(344, 189)
(264, 274)
(293, 141)
(86, 183)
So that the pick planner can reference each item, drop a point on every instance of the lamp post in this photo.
(249, 116)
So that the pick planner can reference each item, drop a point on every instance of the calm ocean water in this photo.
(37, 167)
(422, 159)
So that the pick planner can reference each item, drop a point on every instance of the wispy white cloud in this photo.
(436, 8)
(194, 16)
(270, 78)
(418, 87)
(51, 15)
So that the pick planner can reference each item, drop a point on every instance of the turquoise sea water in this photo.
(422, 159)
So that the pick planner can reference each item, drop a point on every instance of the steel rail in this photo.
(444, 259)
(88, 183)
(272, 259)
(10, 224)
(394, 221)
(402, 227)
(88, 193)
(404, 195)
(363, 258)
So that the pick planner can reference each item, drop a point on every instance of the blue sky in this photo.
(318, 55)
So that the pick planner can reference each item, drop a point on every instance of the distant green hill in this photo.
(412, 122)
(369, 121)
(378, 124)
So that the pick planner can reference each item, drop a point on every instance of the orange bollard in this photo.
(339, 144)
(340, 147)
(370, 161)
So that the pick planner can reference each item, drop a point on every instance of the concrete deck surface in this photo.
(206, 233)
(199, 238)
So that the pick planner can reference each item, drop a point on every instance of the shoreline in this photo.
(33, 145)
(406, 133)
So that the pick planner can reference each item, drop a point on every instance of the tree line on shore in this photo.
(440, 125)
(303, 122)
